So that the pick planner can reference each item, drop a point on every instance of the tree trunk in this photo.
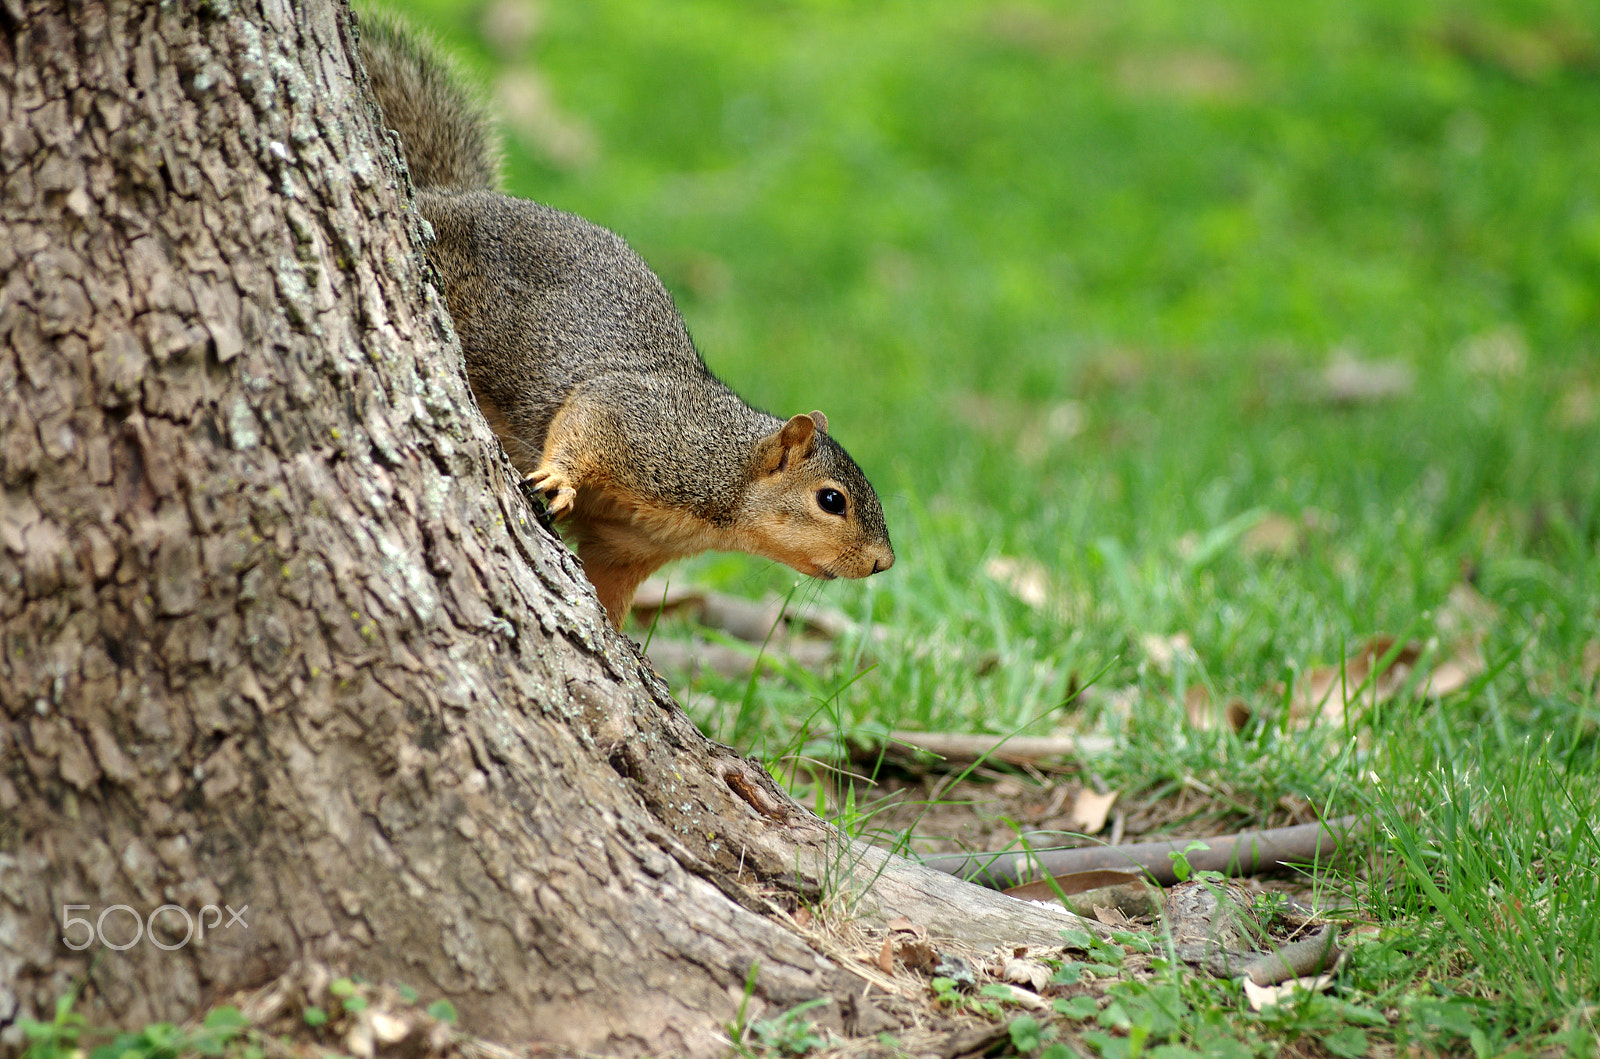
(281, 636)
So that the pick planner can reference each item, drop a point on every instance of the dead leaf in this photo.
(358, 1039)
(1163, 651)
(1112, 917)
(509, 26)
(1022, 997)
(1237, 713)
(1089, 811)
(1082, 882)
(389, 1029)
(886, 956)
(1531, 52)
(1261, 996)
(1185, 74)
(1275, 535)
(1326, 692)
(1501, 353)
(918, 956)
(1024, 578)
(1203, 716)
(1056, 425)
(1030, 973)
(1465, 613)
(1037, 431)
(527, 105)
(1578, 407)
(1455, 673)
(1349, 380)
(902, 923)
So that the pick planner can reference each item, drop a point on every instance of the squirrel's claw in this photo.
(559, 493)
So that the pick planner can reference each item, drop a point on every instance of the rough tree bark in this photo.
(278, 630)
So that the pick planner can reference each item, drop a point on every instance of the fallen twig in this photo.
(1309, 956)
(1249, 853)
(958, 749)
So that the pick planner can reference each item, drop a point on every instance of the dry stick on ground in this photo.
(958, 749)
(1309, 956)
(1218, 926)
(1243, 854)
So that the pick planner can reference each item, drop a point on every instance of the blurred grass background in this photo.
(1066, 279)
(1100, 292)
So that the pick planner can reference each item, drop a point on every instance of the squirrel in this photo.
(586, 372)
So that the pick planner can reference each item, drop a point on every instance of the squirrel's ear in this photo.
(821, 420)
(793, 441)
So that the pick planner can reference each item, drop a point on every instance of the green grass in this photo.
(1064, 278)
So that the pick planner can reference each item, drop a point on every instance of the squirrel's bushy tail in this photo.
(445, 132)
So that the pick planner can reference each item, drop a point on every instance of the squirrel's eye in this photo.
(831, 501)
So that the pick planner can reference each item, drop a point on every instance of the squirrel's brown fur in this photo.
(586, 372)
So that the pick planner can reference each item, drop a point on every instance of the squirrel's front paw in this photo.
(560, 494)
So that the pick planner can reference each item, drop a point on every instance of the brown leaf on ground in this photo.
(1024, 998)
(1197, 707)
(1036, 430)
(1499, 354)
(1186, 74)
(918, 956)
(1112, 916)
(1376, 673)
(1532, 53)
(1578, 407)
(1275, 535)
(1024, 578)
(527, 104)
(1261, 996)
(1326, 691)
(1030, 973)
(1237, 713)
(1077, 882)
(1163, 651)
(1055, 425)
(1455, 672)
(1350, 380)
(1465, 613)
(1089, 811)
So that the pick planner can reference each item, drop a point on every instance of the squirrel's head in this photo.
(809, 505)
